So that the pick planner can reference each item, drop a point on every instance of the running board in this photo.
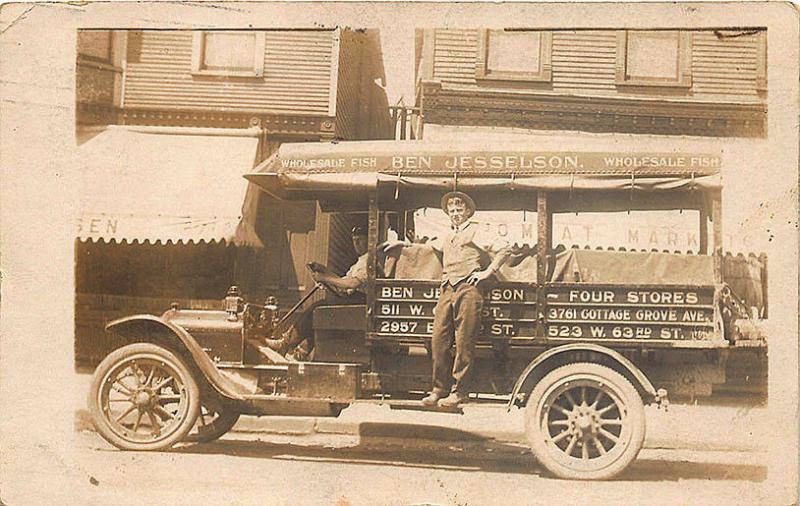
(418, 406)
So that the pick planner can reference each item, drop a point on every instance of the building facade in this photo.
(190, 112)
(699, 82)
(580, 88)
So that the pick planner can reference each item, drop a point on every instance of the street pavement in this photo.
(689, 427)
(327, 469)
(372, 455)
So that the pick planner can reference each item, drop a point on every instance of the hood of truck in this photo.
(201, 320)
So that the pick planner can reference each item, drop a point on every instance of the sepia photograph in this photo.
(404, 254)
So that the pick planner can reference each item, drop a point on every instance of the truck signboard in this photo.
(406, 309)
(573, 311)
(627, 313)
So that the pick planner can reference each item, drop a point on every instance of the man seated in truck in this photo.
(347, 289)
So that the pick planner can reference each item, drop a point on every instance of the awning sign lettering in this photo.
(154, 228)
(501, 161)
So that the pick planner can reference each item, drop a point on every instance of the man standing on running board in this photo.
(458, 310)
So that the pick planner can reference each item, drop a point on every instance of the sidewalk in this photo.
(682, 427)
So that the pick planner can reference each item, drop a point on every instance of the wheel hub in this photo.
(143, 398)
(584, 423)
(586, 426)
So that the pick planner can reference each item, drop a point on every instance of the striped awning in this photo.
(162, 185)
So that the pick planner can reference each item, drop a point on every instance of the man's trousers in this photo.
(458, 317)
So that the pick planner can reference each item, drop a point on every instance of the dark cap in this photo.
(359, 230)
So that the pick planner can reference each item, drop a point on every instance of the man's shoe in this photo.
(300, 354)
(280, 345)
(431, 399)
(453, 400)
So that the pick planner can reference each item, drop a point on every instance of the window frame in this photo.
(682, 80)
(543, 74)
(761, 62)
(198, 55)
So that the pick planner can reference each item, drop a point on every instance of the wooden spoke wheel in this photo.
(143, 397)
(215, 419)
(585, 421)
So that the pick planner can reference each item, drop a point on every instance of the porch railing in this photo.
(406, 121)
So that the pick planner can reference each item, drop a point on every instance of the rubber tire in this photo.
(216, 429)
(144, 350)
(622, 388)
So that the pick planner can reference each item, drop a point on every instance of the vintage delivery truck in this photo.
(580, 339)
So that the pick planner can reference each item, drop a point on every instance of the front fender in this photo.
(629, 369)
(149, 328)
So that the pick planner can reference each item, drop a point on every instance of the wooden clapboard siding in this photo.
(297, 68)
(362, 109)
(340, 244)
(455, 53)
(583, 63)
(724, 66)
(348, 84)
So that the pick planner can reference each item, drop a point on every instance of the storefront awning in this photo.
(331, 172)
(143, 184)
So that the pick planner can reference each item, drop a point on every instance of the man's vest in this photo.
(460, 255)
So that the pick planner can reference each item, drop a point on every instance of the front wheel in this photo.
(214, 421)
(143, 397)
(585, 421)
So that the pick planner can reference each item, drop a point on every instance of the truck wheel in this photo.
(143, 397)
(214, 420)
(585, 421)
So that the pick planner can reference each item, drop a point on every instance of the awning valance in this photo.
(161, 185)
(333, 171)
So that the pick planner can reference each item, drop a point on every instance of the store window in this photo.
(654, 58)
(515, 55)
(230, 53)
(95, 45)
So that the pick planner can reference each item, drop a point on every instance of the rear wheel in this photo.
(143, 397)
(585, 421)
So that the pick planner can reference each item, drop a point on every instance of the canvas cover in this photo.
(421, 261)
(746, 276)
(632, 268)
(348, 171)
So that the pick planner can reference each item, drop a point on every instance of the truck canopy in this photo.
(415, 173)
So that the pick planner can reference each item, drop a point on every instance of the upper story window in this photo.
(518, 55)
(95, 45)
(228, 53)
(654, 58)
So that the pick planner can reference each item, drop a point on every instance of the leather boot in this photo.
(432, 398)
(280, 345)
(286, 343)
(453, 400)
